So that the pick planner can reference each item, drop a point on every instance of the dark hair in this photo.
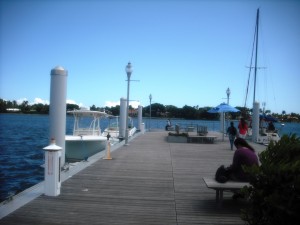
(243, 143)
(231, 124)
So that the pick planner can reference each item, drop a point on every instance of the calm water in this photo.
(23, 137)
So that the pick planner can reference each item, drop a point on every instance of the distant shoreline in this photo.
(37, 113)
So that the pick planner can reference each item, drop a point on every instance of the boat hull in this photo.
(80, 148)
(267, 138)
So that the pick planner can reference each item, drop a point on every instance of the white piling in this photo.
(52, 169)
(255, 121)
(140, 116)
(122, 125)
(58, 95)
(222, 121)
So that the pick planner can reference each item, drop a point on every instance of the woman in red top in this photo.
(243, 128)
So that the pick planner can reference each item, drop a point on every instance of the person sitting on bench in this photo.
(244, 156)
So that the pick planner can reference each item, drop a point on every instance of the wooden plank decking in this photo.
(150, 181)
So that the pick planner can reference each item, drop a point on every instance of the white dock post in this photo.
(140, 116)
(52, 169)
(255, 122)
(57, 112)
(122, 125)
(142, 130)
(222, 130)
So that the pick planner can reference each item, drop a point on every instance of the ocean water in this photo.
(23, 137)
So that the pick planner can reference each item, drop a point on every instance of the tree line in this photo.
(157, 110)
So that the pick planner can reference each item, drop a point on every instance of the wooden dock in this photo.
(150, 181)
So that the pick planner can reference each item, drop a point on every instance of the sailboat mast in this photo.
(256, 47)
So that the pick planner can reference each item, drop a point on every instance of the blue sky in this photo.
(183, 52)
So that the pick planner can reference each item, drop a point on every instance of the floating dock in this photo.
(151, 181)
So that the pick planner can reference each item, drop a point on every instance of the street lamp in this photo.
(128, 70)
(228, 94)
(264, 105)
(150, 98)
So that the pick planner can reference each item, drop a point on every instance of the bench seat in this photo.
(220, 187)
(202, 139)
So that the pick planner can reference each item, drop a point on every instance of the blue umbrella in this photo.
(222, 108)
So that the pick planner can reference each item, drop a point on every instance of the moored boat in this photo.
(86, 139)
(267, 131)
(113, 129)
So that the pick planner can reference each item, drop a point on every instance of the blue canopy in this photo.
(223, 108)
(268, 118)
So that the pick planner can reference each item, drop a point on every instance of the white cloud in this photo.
(70, 101)
(39, 100)
(46, 102)
(134, 104)
(111, 104)
(20, 101)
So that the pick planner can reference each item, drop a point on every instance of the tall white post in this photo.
(222, 124)
(255, 121)
(122, 125)
(140, 116)
(58, 95)
(150, 98)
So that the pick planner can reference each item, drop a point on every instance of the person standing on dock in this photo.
(243, 128)
(231, 132)
(168, 124)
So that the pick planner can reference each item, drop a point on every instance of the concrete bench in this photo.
(220, 187)
(210, 139)
(202, 139)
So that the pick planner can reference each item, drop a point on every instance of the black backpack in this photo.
(222, 174)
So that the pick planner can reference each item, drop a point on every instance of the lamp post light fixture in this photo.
(150, 98)
(228, 94)
(128, 70)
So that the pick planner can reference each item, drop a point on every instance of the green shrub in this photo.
(275, 192)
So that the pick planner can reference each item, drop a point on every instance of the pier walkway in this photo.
(150, 181)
